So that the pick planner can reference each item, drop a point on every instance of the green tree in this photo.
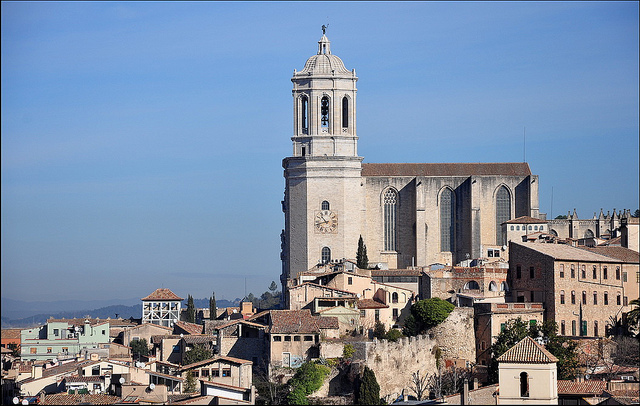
(190, 382)
(348, 351)
(307, 379)
(379, 330)
(213, 309)
(561, 217)
(633, 317)
(393, 335)
(273, 287)
(362, 261)
(191, 310)
(425, 314)
(197, 353)
(139, 348)
(368, 391)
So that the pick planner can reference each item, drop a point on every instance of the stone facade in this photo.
(580, 290)
(331, 198)
(447, 282)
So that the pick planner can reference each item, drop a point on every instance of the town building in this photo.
(581, 290)
(161, 307)
(408, 214)
(63, 338)
(224, 370)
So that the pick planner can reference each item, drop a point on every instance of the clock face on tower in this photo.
(326, 221)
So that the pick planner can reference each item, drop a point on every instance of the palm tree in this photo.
(633, 317)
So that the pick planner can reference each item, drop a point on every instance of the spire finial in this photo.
(324, 29)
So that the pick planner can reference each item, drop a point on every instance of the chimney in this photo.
(464, 399)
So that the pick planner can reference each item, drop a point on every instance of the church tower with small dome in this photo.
(323, 194)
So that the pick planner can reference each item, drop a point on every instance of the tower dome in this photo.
(323, 63)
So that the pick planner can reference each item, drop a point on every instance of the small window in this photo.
(573, 271)
(573, 297)
(503, 326)
(573, 327)
(584, 272)
(595, 298)
(618, 299)
(324, 112)
(325, 205)
(345, 112)
(56, 332)
(517, 228)
(196, 374)
(226, 371)
(595, 272)
(215, 373)
(561, 270)
(394, 297)
(518, 272)
(532, 272)
(541, 228)
(562, 297)
(296, 338)
(104, 332)
(205, 373)
(49, 350)
(625, 301)
(490, 253)
(350, 280)
(529, 228)
(624, 276)
(377, 314)
(287, 338)
(511, 228)
(65, 350)
(562, 328)
(617, 273)
(308, 338)
(606, 298)
(277, 338)
(326, 255)
(363, 313)
(524, 385)
(496, 253)
(605, 274)
(584, 297)
(535, 228)
(595, 328)
(395, 314)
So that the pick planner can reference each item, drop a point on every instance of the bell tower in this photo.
(323, 191)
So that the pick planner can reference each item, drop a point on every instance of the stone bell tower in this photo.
(324, 193)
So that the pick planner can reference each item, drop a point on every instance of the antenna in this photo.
(551, 202)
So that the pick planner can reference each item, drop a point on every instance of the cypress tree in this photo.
(361, 256)
(191, 310)
(368, 392)
(213, 312)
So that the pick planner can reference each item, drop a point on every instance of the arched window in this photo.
(605, 274)
(524, 385)
(541, 228)
(588, 234)
(511, 228)
(345, 112)
(390, 209)
(584, 297)
(606, 298)
(324, 112)
(326, 255)
(595, 298)
(394, 297)
(493, 287)
(618, 301)
(503, 213)
(504, 287)
(595, 272)
(304, 116)
(554, 233)
(563, 330)
(517, 228)
(573, 271)
(573, 297)
(447, 220)
(325, 205)
(471, 285)
(617, 273)
(562, 297)
(595, 328)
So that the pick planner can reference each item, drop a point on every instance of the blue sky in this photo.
(142, 141)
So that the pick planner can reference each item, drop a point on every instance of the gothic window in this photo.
(595, 298)
(394, 297)
(503, 213)
(606, 298)
(584, 297)
(573, 271)
(504, 287)
(595, 328)
(604, 273)
(573, 297)
(584, 272)
(493, 287)
(617, 272)
(390, 210)
(305, 114)
(524, 385)
(325, 205)
(324, 112)
(345, 112)
(326, 255)
(618, 299)
(588, 234)
(447, 220)
(562, 297)
(595, 272)
(563, 330)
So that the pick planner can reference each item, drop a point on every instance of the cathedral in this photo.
(408, 214)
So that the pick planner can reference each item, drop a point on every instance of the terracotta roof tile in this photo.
(395, 272)
(370, 304)
(525, 220)
(189, 328)
(328, 322)
(232, 360)
(162, 294)
(619, 253)
(581, 388)
(566, 252)
(315, 285)
(87, 399)
(293, 321)
(527, 351)
(86, 378)
(446, 169)
(11, 334)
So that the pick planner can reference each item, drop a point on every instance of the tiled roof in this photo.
(240, 321)
(198, 338)
(11, 334)
(189, 328)
(624, 396)
(315, 285)
(293, 321)
(446, 169)
(196, 400)
(611, 242)
(328, 322)
(65, 368)
(172, 377)
(395, 272)
(162, 294)
(566, 252)
(524, 220)
(370, 304)
(581, 388)
(86, 399)
(527, 351)
(85, 378)
(618, 253)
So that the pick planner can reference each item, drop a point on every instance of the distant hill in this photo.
(122, 311)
